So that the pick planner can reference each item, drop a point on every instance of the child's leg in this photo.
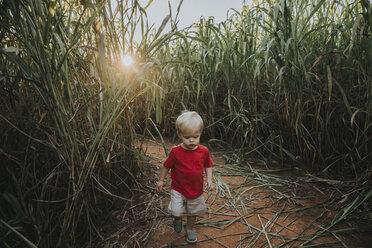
(194, 208)
(190, 222)
(178, 218)
(190, 233)
(176, 208)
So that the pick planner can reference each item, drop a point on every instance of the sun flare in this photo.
(127, 60)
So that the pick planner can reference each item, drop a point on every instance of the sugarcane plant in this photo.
(68, 116)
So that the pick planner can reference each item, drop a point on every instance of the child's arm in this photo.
(164, 171)
(208, 172)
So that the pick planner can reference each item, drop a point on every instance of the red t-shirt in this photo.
(187, 169)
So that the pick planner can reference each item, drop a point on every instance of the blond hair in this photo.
(189, 119)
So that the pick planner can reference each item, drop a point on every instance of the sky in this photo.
(191, 10)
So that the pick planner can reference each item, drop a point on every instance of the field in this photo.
(282, 86)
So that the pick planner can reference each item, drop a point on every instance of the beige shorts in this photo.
(178, 203)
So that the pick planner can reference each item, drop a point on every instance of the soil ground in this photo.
(253, 206)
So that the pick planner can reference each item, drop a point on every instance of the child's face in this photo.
(190, 138)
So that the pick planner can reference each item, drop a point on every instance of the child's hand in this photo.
(209, 185)
(159, 186)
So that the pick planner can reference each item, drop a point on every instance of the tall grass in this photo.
(68, 116)
(290, 78)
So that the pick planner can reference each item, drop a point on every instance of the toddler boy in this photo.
(187, 163)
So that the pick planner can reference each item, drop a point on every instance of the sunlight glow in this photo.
(127, 60)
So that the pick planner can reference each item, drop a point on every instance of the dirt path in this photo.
(251, 208)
